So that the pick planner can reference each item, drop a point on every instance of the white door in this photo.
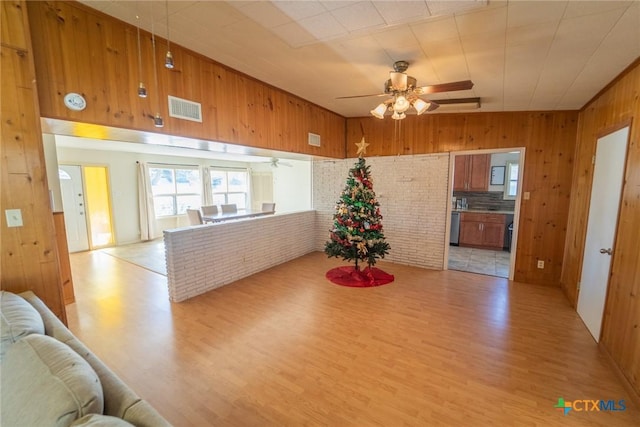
(601, 227)
(73, 205)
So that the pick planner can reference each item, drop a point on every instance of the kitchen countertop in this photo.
(483, 211)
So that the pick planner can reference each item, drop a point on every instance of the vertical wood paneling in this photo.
(549, 139)
(617, 105)
(29, 253)
(78, 49)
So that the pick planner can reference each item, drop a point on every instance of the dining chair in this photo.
(195, 217)
(268, 207)
(210, 210)
(231, 208)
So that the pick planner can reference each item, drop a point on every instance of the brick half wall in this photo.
(205, 257)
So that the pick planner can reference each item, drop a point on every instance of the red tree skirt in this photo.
(365, 278)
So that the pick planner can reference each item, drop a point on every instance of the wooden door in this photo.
(460, 173)
(493, 234)
(471, 233)
(478, 174)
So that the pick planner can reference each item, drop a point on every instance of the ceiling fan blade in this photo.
(445, 87)
(362, 96)
(432, 106)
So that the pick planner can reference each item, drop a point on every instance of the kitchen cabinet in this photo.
(482, 230)
(471, 173)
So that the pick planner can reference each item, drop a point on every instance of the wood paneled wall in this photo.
(78, 49)
(29, 253)
(618, 104)
(549, 139)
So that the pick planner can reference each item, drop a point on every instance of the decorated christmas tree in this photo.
(357, 224)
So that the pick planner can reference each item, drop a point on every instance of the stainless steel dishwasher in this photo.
(455, 228)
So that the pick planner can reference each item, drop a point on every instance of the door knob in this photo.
(605, 251)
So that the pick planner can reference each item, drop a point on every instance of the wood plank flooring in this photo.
(285, 347)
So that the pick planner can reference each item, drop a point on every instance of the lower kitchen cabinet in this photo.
(482, 230)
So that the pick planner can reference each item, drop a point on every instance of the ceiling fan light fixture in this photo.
(398, 116)
(420, 105)
(401, 104)
(398, 81)
(379, 111)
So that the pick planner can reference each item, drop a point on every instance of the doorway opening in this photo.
(87, 206)
(485, 192)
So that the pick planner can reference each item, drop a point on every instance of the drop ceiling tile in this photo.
(436, 29)
(581, 8)
(294, 34)
(358, 16)
(323, 26)
(266, 14)
(447, 59)
(482, 21)
(448, 7)
(532, 35)
(300, 9)
(535, 12)
(406, 11)
(213, 15)
(331, 5)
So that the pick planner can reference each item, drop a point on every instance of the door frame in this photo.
(601, 134)
(516, 210)
(84, 192)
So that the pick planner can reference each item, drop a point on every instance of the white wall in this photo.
(124, 188)
(291, 184)
(413, 196)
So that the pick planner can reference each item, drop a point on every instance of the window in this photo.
(174, 188)
(511, 181)
(230, 186)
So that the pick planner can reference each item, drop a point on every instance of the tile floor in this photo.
(483, 261)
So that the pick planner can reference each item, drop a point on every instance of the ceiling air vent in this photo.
(314, 139)
(184, 109)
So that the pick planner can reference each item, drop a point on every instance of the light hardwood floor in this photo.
(286, 347)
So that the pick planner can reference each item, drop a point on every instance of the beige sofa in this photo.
(48, 377)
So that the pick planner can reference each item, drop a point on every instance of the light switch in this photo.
(14, 217)
(526, 195)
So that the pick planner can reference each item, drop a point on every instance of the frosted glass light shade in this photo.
(401, 105)
(421, 106)
(379, 111)
(398, 81)
(398, 116)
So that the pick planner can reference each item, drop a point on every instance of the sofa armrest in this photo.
(119, 399)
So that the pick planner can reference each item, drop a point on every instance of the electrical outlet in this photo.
(540, 263)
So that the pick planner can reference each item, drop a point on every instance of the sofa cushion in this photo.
(18, 319)
(98, 420)
(45, 383)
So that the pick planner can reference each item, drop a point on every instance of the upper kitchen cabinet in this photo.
(471, 173)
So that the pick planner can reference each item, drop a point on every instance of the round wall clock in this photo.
(75, 101)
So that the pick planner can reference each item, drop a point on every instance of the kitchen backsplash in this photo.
(489, 200)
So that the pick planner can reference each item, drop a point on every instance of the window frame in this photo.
(226, 171)
(176, 194)
(507, 181)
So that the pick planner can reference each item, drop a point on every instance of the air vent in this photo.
(314, 139)
(184, 109)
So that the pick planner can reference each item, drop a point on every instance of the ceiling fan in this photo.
(404, 93)
(275, 162)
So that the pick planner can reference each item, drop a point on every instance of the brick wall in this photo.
(413, 196)
(205, 257)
